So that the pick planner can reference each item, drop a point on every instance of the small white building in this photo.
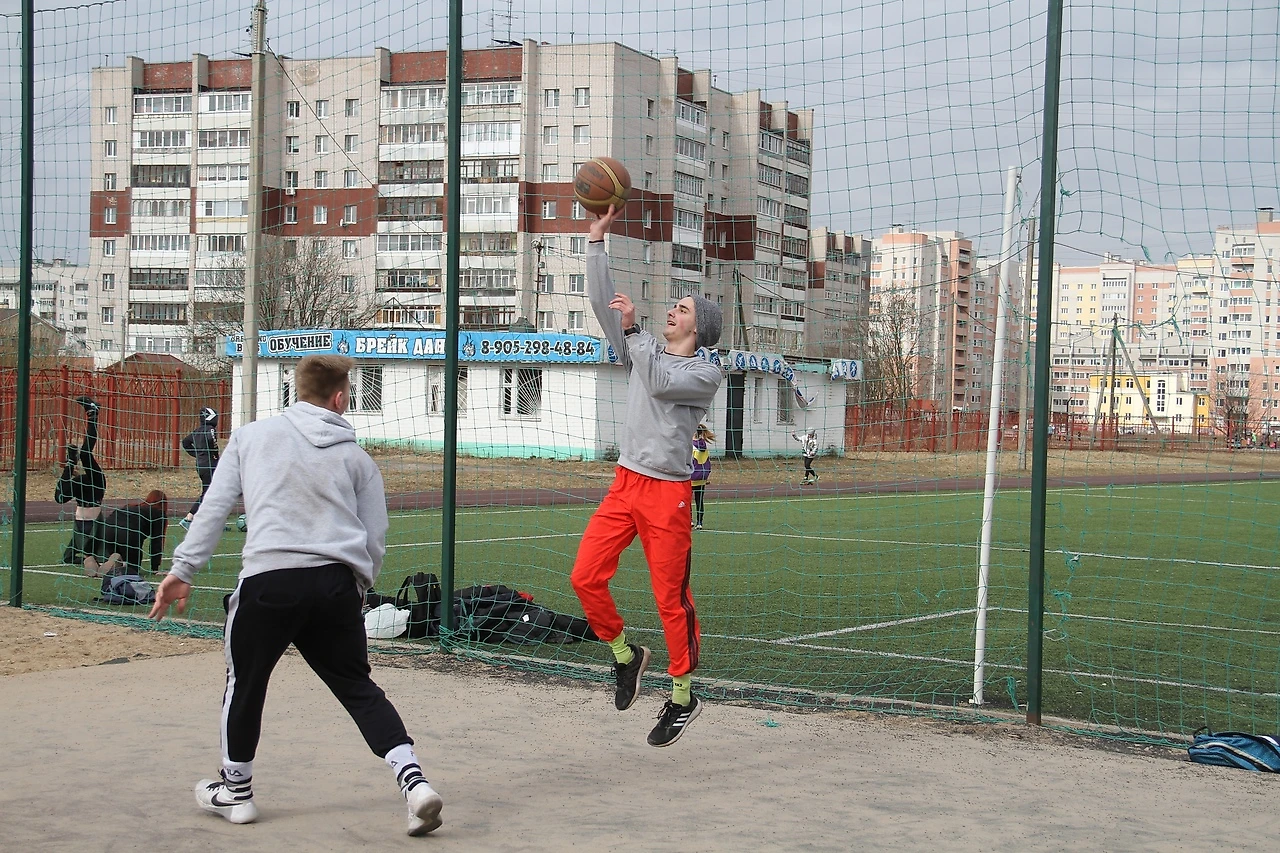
(540, 395)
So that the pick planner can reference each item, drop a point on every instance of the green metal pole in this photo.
(1044, 339)
(453, 223)
(26, 216)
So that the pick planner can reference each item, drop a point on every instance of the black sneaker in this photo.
(628, 675)
(673, 720)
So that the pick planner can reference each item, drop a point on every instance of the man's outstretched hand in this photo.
(172, 590)
(603, 223)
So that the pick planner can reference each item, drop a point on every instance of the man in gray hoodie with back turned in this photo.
(315, 547)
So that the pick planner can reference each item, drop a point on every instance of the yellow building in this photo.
(1173, 406)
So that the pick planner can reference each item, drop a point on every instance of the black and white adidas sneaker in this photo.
(673, 720)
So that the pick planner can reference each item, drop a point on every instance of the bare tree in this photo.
(892, 350)
(301, 285)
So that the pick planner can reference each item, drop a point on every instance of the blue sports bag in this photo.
(1235, 749)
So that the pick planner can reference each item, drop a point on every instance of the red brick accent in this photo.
(740, 241)
(684, 84)
(630, 224)
(364, 198)
(766, 116)
(793, 125)
(817, 275)
(430, 66)
(166, 77)
(99, 201)
(230, 74)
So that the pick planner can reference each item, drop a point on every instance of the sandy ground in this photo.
(408, 472)
(103, 757)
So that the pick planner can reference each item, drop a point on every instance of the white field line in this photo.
(874, 625)
(1110, 676)
(1119, 619)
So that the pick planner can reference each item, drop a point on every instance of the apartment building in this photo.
(354, 192)
(59, 295)
(952, 296)
(839, 293)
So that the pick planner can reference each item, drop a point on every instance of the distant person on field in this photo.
(702, 438)
(669, 389)
(86, 488)
(809, 449)
(202, 443)
(122, 533)
(316, 546)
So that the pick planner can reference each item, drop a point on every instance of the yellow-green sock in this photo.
(681, 689)
(621, 651)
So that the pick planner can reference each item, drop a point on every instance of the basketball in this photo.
(600, 182)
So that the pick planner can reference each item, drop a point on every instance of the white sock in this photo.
(404, 763)
(237, 772)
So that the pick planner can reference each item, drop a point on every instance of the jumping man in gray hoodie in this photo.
(315, 547)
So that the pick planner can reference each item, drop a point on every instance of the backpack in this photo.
(126, 589)
(424, 612)
(1235, 749)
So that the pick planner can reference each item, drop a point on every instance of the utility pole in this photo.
(741, 339)
(253, 243)
(1111, 395)
(1026, 349)
(538, 246)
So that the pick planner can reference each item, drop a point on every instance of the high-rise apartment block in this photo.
(354, 192)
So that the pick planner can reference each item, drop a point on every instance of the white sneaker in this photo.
(424, 809)
(232, 801)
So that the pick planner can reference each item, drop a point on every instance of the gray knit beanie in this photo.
(708, 321)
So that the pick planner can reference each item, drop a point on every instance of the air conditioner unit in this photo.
(290, 190)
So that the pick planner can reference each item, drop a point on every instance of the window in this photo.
(290, 214)
(411, 171)
(160, 242)
(690, 148)
(691, 113)
(227, 102)
(648, 253)
(221, 242)
(488, 204)
(215, 139)
(770, 176)
(167, 207)
(577, 321)
(648, 145)
(648, 180)
(109, 181)
(577, 245)
(550, 135)
(351, 178)
(349, 283)
(686, 257)
(320, 214)
(769, 208)
(521, 392)
(109, 148)
(108, 248)
(482, 94)
(293, 109)
(577, 211)
(413, 99)
(224, 207)
(688, 219)
(109, 115)
(645, 290)
(211, 173)
(292, 144)
(490, 171)
(349, 249)
(320, 180)
(550, 99)
(546, 323)
(366, 389)
(319, 248)
(411, 134)
(490, 131)
(322, 145)
(724, 138)
(550, 172)
(409, 242)
(582, 96)
(648, 219)
(109, 215)
(770, 142)
(546, 283)
(351, 143)
(649, 108)
(548, 210)
(351, 108)
(291, 248)
(161, 104)
(581, 134)
(757, 401)
(349, 214)
(322, 108)
(108, 315)
(108, 281)
(157, 313)
(577, 284)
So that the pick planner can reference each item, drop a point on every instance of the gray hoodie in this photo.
(667, 395)
(311, 494)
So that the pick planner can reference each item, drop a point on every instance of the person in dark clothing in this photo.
(203, 445)
(86, 488)
(124, 530)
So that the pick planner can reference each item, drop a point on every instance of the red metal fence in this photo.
(143, 415)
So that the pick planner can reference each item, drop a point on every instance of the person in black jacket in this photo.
(86, 488)
(124, 530)
(203, 445)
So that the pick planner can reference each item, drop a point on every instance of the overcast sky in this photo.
(1168, 123)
